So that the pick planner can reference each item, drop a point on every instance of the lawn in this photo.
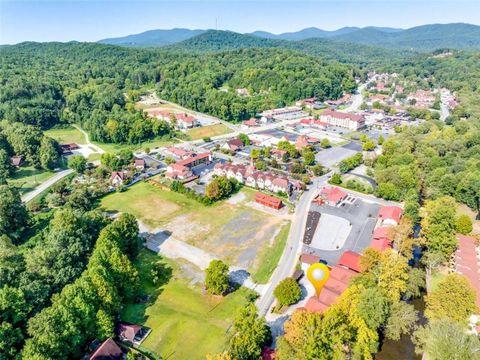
(234, 232)
(185, 322)
(152, 144)
(270, 255)
(208, 131)
(28, 178)
(66, 135)
(154, 206)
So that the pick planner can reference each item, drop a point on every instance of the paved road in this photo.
(293, 248)
(357, 100)
(45, 185)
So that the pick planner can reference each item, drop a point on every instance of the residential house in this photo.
(67, 149)
(133, 334)
(233, 145)
(17, 160)
(333, 196)
(348, 121)
(343, 100)
(185, 121)
(108, 350)
(252, 122)
(390, 215)
(254, 178)
(118, 178)
(139, 164)
(182, 170)
(350, 260)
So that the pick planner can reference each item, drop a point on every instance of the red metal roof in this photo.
(382, 233)
(342, 274)
(314, 305)
(381, 244)
(309, 259)
(390, 212)
(333, 194)
(351, 260)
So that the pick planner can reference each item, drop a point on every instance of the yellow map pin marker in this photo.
(318, 275)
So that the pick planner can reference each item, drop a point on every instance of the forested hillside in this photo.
(95, 85)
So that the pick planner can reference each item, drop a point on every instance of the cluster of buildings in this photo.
(466, 261)
(340, 275)
(186, 160)
(388, 217)
(311, 103)
(422, 99)
(182, 121)
(254, 178)
(280, 114)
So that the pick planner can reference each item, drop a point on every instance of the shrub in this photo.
(287, 292)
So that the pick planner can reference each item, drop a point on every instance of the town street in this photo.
(293, 248)
(45, 185)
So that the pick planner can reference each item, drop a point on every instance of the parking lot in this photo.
(359, 217)
(331, 156)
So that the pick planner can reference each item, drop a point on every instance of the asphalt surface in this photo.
(45, 185)
(362, 217)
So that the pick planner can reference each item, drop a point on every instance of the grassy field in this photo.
(27, 178)
(185, 322)
(155, 207)
(236, 236)
(270, 256)
(66, 135)
(208, 131)
(114, 148)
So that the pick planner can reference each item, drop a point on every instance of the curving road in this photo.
(45, 185)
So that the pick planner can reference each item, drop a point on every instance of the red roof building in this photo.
(467, 262)
(251, 122)
(316, 306)
(108, 350)
(350, 260)
(390, 215)
(309, 259)
(269, 201)
(345, 120)
(333, 196)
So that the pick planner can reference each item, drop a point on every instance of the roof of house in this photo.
(381, 244)
(177, 151)
(235, 144)
(119, 174)
(128, 331)
(193, 158)
(333, 194)
(315, 305)
(341, 115)
(250, 122)
(268, 199)
(467, 262)
(391, 212)
(16, 160)
(139, 162)
(71, 146)
(185, 118)
(328, 296)
(309, 259)
(342, 274)
(109, 350)
(351, 260)
(382, 232)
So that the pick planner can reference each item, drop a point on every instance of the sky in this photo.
(90, 20)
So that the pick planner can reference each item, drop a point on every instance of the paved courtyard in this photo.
(359, 220)
(331, 156)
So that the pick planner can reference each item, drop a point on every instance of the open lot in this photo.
(331, 233)
(237, 236)
(186, 323)
(66, 135)
(208, 131)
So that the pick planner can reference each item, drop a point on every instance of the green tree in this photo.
(249, 334)
(245, 139)
(77, 163)
(49, 153)
(336, 179)
(13, 215)
(287, 292)
(216, 277)
(325, 143)
(401, 320)
(445, 339)
(308, 157)
(368, 145)
(464, 224)
(373, 307)
(461, 300)
(318, 170)
(6, 168)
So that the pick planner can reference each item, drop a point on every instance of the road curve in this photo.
(45, 185)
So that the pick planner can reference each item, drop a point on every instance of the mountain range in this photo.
(424, 38)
